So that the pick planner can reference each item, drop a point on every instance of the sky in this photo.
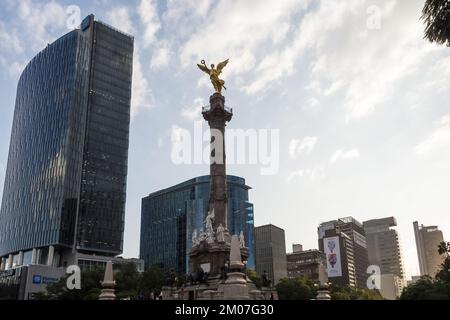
(354, 100)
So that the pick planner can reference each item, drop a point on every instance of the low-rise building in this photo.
(311, 264)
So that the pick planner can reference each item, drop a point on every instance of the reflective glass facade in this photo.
(66, 172)
(103, 185)
(169, 217)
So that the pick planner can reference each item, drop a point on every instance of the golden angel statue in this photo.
(214, 74)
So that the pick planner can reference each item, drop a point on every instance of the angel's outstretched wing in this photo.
(221, 65)
(203, 68)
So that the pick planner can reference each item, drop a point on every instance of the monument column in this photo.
(217, 116)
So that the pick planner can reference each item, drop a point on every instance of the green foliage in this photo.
(350, 293)
(127, 281)
(436, 14)
(444, 248)
(299, 288)
(130, 284)
(254, 277)
(90, 288)
(424, 289)
(152, 280)
(427, 288)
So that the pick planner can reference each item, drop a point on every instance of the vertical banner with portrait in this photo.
(333, 255)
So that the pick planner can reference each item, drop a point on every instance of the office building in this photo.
(427, 242)
(311, 264)
(391, 286)
(413, 280)
(65, 181)
(270, 249)
(23, 282)
(383, 247)
(169, 217)
(296, 247)
(344, 243)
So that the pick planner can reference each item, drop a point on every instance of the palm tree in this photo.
(436, 14)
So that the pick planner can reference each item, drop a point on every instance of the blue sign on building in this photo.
(37, 279)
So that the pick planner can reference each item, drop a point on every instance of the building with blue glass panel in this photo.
(64, 191)
(169, 216)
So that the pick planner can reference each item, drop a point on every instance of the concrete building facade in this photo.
(311, 264)
(428, 239)
(270, 252)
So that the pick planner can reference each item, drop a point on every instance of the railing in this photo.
(208, 108)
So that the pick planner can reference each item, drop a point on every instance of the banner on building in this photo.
(333, 253)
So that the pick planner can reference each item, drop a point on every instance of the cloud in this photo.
(344, 155)
(229, 31)
(161, 57)
(193, 112)
(297, 147)
(148, 13)
(42, 22)
(9, 40)
(314, 174)
(438, 139)
(15, 69)
(120, 18)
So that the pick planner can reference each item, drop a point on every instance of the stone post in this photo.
(108, 284)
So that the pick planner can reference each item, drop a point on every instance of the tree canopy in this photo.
(130, 284)
(299, 288)
(428, 288)
(436, 15)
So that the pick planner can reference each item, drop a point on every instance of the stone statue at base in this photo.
(220, 233)
(241, 239)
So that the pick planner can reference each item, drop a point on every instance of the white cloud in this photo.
(297, 147)
(347, 60)
(440, 138)
(229, 32)
(119, 17)
(9, 41)
(148, 13)
(16, 68)
(41, 21)
(311, 104)
(352, 63)
(193, 111)
(314, 174)
(142, 98)
(344, 155)
(314, 26)
(160, 57)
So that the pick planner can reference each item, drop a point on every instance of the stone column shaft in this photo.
(217, 116)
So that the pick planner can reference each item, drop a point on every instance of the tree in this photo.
(299, 288)
(427, 288)
(152, 281)
(350, 293)
(254, 277)
(127, 280)
(436, 14)
(90, 288)
(444, 248)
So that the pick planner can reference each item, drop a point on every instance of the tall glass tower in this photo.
(65, 183)
(169, 216)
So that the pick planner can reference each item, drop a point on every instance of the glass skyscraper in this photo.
(169, 217)
(65, 181)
